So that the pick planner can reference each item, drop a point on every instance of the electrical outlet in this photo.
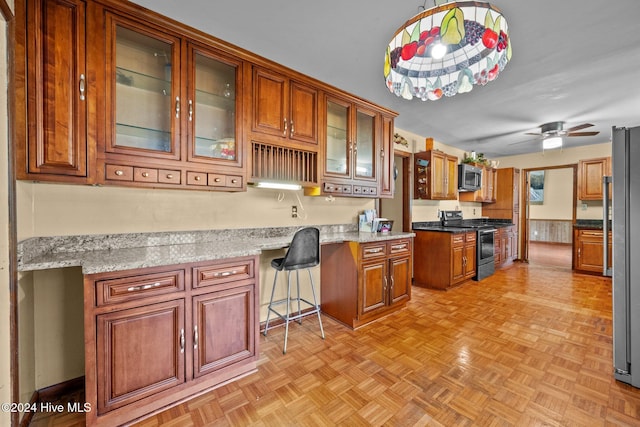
(474, 211)
(584, 206)
(294, 212)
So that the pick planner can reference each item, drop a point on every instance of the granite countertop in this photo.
(593, 224)
(437, 226)
(117, 252)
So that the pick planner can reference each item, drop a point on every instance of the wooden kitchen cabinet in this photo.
(174, 111)
(352, 147)
(506, 245)
(156, 336)
(55, 129)
(444, 259)
(487, 193)
(435, 176)
(362, 282)
(588, 254)
(284, 108)
(590, 173)
(507, 206)
(387, 181)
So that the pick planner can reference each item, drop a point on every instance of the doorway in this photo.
(549, 195)
(397, 208)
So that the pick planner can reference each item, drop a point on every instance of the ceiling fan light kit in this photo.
(446, 50)
(552, 142)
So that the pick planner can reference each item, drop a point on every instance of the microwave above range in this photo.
(469, 177)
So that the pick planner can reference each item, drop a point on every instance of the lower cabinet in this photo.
(156, 336)
(588, 253)
(362, 282)
(506, 245)
(444, 259)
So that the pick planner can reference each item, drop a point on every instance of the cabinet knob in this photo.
(234, 181)
(197, 178)
(119, 172)
(145, 174)
(217, 180)
(169, 176)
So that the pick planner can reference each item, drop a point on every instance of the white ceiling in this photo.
(575, 61)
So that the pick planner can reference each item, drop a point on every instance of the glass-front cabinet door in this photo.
(213, 108)
(364, 147)
(338, 144)
(143, 93)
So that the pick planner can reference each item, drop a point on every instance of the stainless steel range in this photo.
(485, 265)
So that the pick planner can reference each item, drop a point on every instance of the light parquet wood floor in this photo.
(529, 346)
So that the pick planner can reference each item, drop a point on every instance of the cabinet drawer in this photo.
(470, 237)
(217, 180)
(169, 177)
(399, 247)
(215, 274)
(337, 188)
(374, 250)
(196, 178)
(458, 239)
(118, 173)
(145, 175)
(234, 181)
(129, 288)
(598, 234)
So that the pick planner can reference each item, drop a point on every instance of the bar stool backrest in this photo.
(304, 250)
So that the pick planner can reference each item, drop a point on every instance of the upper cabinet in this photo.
(172, 111)
(143, 100)
(435, 176)
(56, 79)
(352, 148)
(590, 173)
(283, 108)
(487, 192)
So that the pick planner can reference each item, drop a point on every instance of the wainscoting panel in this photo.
(550, 230)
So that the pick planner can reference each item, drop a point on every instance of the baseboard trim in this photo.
(51, 394)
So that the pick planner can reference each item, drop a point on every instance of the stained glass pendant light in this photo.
(447, 50)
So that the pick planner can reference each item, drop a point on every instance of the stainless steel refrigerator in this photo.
(625, 265)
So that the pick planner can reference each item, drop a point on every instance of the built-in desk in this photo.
(169, 315)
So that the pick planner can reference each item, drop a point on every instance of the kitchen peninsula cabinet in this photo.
(56, 79)
(155, 336)
(588, 256)
(590, 173)
(362, 282)
(435, 176)
(444, 259)
(506, 245)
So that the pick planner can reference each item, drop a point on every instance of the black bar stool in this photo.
(303, 252)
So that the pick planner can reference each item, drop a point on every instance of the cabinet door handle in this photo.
(385, 283)
(382, 153)
(195, 337)
(182, 340)
(398, 247)
(82, 87)
(177, 107)
(285, 127)
(373, 250)
(226, 273)
(292, 128)
(190, 110)
(141, 288)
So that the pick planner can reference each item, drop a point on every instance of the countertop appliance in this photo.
(485, 256)
(625, 156)
(469, 177)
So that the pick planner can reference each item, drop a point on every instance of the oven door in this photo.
(485, 245)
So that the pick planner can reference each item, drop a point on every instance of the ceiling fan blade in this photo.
(582, 133)
(531, 133)
(526, 140)
(582, 126)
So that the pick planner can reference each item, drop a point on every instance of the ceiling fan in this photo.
(552, 129)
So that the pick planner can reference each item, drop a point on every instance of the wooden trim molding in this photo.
(9, 18)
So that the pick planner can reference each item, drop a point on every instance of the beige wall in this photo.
(558, 184)
(5, 370)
